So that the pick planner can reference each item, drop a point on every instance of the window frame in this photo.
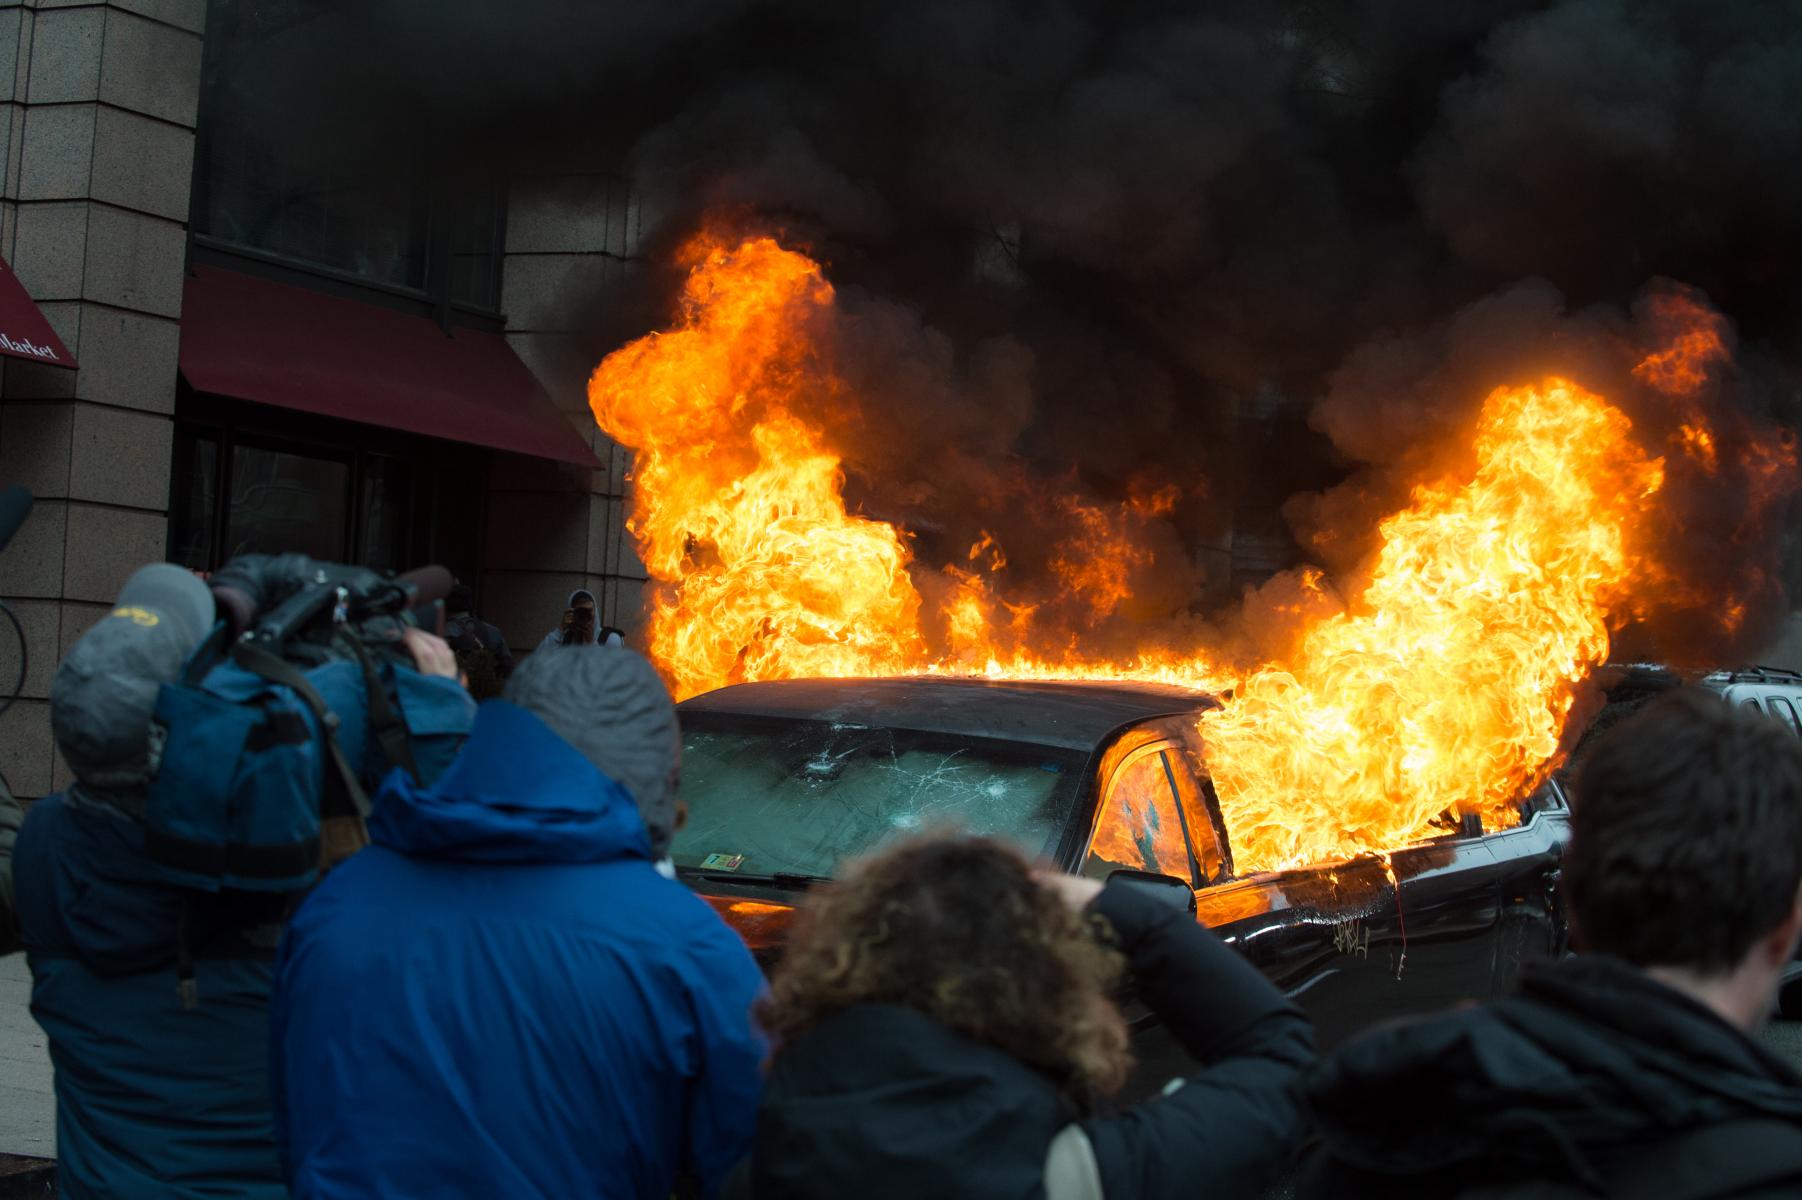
(1161, 748)
(434, 465)
(432, 300)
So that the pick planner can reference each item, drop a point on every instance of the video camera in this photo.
(299, 704)
(304, 609)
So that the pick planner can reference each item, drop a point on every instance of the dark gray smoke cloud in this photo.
(1271, 253)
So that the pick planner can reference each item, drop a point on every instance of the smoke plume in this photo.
(1266, 257)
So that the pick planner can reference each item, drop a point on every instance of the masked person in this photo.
(578, 627)
(501, 996)
(1631, 1070)
(944, 1017)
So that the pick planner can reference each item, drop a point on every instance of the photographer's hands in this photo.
(431, 654)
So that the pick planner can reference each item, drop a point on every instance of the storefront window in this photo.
(250, 479)
(386, 512)
(283, 502)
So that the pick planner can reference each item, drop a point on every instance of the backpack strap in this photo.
(343, 809)
(390, 729)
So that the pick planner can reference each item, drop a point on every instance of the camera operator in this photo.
(578, 627)
(157, 1094)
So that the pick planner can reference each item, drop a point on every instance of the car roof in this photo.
(1072, 714)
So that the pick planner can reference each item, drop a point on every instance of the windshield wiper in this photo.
(789, 880)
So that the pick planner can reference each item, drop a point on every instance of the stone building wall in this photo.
(552, 529)
(96, 151)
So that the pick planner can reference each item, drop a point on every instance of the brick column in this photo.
(554, 529)
(98, 129)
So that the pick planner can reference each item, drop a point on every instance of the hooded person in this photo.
(579, 628)
(1633, 1069)
(152, 1099)
(536, 1010)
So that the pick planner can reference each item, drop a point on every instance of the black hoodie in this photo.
(1595, 1080)
(880, 1101)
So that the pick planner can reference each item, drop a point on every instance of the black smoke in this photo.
(1270, 253)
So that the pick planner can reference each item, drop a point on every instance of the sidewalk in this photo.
(27, 1106)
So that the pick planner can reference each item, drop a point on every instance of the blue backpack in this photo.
(261, 769)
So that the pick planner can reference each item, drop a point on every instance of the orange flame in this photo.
(761, 572)
(1444, 685)
(764, 573)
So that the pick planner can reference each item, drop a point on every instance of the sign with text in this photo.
(24, 332)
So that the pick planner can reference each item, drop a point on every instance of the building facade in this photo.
(286, 340)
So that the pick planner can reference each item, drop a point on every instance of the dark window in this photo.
(1783, 711)
(283, 501)
(1140, 828)
(306, 160)
(332, 489)
(1751, 704)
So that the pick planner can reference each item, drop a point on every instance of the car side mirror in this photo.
(1166, 888)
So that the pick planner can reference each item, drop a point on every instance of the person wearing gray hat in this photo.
(536, 1011)
(152, 1100)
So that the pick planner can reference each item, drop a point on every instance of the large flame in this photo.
(1443, 686)
(1447, 682)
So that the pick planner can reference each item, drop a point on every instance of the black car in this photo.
(785, 780)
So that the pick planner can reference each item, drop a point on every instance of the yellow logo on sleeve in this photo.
(137, 616)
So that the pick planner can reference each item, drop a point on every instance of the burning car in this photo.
(786, 780)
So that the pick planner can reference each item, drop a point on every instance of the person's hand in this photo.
(1074, 890)
(431, 653)
(569, 618)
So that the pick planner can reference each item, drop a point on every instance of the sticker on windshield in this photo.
(722, 862)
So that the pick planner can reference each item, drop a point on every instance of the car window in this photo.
(769, 795)
(1139, 828)
(1198, 824)
(1751, 704)
(1783, 711)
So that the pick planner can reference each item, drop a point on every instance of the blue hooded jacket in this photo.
(502, 997)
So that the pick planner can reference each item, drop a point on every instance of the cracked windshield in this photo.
(802, 796)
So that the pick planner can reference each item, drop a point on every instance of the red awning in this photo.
(252, 339)
(24, 331)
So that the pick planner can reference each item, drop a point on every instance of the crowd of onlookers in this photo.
(509, 994)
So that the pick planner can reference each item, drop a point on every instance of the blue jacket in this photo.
(151, 1099)
(501, 996)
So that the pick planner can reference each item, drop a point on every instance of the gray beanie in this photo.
(608, 703)
(104, 692)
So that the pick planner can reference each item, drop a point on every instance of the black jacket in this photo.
(1595, 1080)
(882, 1101)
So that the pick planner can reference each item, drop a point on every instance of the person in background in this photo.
(501, 996)
(1633, 1069)
(578, 626)
(945, 1014)
(467, 633)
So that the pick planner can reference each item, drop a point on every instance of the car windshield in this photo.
(778, 796)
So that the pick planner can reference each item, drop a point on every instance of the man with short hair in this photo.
(1632, 1070)
(501, 996)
